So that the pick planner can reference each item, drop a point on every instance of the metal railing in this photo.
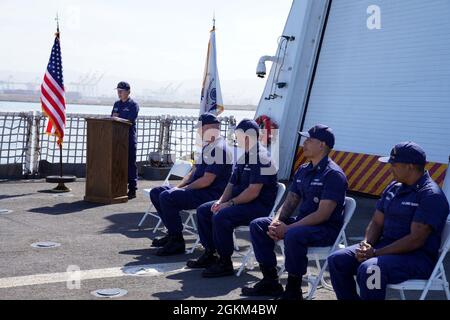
(16, 139)
(24, 142)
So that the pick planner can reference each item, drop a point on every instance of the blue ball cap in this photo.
(122, 85)
(406, 152)
(247, 124)
(322, 133)
(207, 118)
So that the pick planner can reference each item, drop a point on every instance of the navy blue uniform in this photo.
(325, 181)
(401, 205)
(129, 110)
(169, 201)
(216, 230)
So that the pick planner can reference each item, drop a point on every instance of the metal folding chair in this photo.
(437, 281)
(248, 255)
(180, 169)
(321, 253)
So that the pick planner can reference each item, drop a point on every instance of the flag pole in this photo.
(60, 144)
(60, 180)
(57, 25)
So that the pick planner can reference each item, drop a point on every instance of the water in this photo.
(10, 106)
(17, 145)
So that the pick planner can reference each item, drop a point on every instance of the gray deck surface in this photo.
(102, 240)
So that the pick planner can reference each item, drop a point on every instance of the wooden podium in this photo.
(107, 160)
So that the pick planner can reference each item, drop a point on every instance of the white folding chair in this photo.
(321, 253)
(191, 227)
(248, 256)
(179, 169)
(437, 281)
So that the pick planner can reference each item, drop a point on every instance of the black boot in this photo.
(131, 194)
(268, 286)
(175, 245)
(293, 289)
(222, 268)
(160, 242)
(208, 258)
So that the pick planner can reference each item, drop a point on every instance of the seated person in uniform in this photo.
(319, 187)
(204, 183)
(403, 238)
(250, 194)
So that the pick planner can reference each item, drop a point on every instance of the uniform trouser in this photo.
(169, 201)
(373, 275)
(132, 166)
(296, 243)
(216, 230)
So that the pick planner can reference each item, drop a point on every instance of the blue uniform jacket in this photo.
(325, 181)
(423, 202)
(128, 110)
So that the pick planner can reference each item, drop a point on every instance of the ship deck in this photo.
(104, 243)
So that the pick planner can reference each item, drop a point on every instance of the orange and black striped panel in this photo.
(366, 174)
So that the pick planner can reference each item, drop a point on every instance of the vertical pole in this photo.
(60, 161)
(166, 148)
(29, 143)
(36, 142)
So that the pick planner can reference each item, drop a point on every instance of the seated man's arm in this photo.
(186, 179)
(322, 214)
(289, 205)
(227, 193)
(223, 201)
(333, 192)
(375, 228)
(203, 182)
(249, 194)
(413, 241)
(260, 174)
(211, 172)
(430, 215)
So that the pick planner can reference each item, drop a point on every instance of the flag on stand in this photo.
(52, 94)
(211, 98)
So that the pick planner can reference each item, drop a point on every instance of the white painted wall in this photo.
(304, 22)
(376, 88)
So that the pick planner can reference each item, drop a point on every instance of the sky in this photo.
(152, 44)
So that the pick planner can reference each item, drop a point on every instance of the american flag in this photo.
(52, 94)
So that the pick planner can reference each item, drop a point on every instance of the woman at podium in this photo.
(127, 108)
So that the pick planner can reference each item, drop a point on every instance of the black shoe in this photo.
(204, 261)
(265, 287)
(268, 286)
(293, 289)
(160, 242)
(291, 295)
(174, 246)
(221, 268)
(131, 194)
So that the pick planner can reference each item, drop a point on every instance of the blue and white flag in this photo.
(211, 98)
